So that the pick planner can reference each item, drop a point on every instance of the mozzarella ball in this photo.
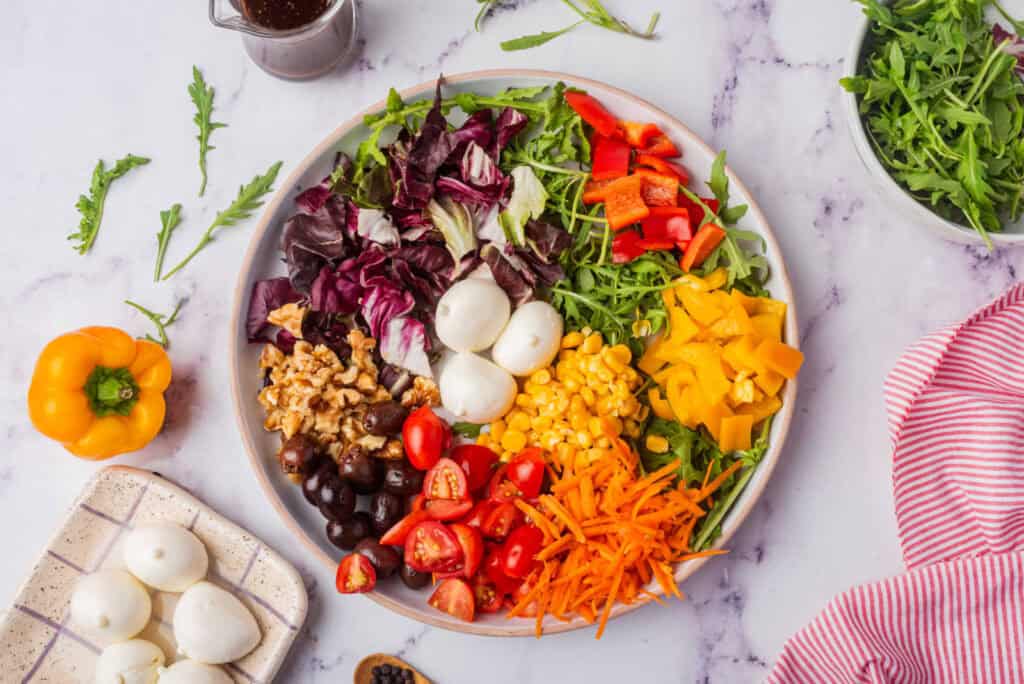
(165, 556)
(130, 662)
(213, 626)
(471, 315)
(531, 339)
(191, 672)
(110, 605)
(474, 389)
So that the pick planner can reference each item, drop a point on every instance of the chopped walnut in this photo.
(424, 392)
(288, 317)
(392, 450)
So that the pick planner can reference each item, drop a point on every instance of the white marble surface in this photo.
(758, 77)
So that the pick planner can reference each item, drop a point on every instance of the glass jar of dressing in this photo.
(293, 39)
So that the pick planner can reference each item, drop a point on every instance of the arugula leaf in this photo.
(485, 8)
(536, 39)
(202, 97)
(161, 322)
(169, 220)
(470, 430)
(91, 206)
(249, 199)
(590, 12)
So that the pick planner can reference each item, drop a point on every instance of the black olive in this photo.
(385, 418)
(336, 500)
(345, 535)
(402, 479)
(414, 579)
(385, 559)
(363, 471)
(386, 509)
(312, 480)
(297, 454)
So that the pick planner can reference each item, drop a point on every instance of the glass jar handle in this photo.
(233, 22)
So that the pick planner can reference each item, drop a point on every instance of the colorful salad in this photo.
(550, 365)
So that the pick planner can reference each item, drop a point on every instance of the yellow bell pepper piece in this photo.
(734, 433)
(700, 305)
(716, 279)
(682, 329)
(712, 418)
(781, 358)
(766, 305)
(740, 354)
(743, 391)
(650, 362)
(712, 381)
(769, 381)
(736, 322)
(749, 304)
(661, 407)
(767, 326)
(761, 409)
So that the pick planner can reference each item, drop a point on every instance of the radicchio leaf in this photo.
(477, 129)
(547, 240)
(385, 300)
(510, 123)
(312, 240)
(511, 273)
(464, 193)
(404, 344)
(333, 292)
(1015, 47)
(415, 162)
(266, 296)
(374, 226)
(312, 199)
(329, 329)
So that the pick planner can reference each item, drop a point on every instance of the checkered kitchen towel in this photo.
(956, 416)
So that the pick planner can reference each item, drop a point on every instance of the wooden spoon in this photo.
(364, 670)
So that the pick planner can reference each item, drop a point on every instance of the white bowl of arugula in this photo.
(523, 207)
(935, 105)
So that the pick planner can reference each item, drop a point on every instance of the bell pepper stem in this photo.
(111, 391)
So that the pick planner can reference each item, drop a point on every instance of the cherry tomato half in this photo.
(399, 532)
(432, 547)
(477, 462)
(425, 437)
(477, 516)
(495, 572)
(503, 519)
(355, 575)
(486, 595)
(416, 502)
(445, 509)
(523, 476)
(472, 548)
(445, 481)
(453, 596)
(519, 550)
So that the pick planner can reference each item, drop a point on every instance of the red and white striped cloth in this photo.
(956, 416)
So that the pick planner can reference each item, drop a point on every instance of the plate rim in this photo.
(747, 500)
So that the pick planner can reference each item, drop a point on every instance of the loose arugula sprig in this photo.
(249, 199)
(91, 206)
(161, 322)
(169, 220)
(943, 108)
(202, 97)
(590, 12)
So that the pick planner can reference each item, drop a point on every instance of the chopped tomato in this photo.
(639, 134)
(432, 547)
(477, 462)
(526, 471)
(477, 516)
(662, 146)
(399, 532)
(486, 595)
(355, 575)
(472, 548)
(594, 113)
(624, 202)
(425, 437)
(610, 158)
(700, 248)
(445, 481)
(519, 550)
(659, 189)
(446, 509)
(668, 223)
(453, 596)
(495, 572)
(417, 502)
(662, 166)
(503, 519)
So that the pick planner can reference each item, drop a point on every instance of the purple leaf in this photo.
(328, 329)
(404, 344)
(510, 123)
(385, 300)
(332, 292)
(547, 241)
(266, 296)
(312, 240)
(464, 193)
(511, 273)
(477, 128)
(414, 164)
(1015, 47)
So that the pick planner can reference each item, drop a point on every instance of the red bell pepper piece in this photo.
(659, 190)
(701, 246)
(668, 223)
(638, 134)
(624, 202)
(696, 210)
(662, 166)
(594, 113)
(593, 191)
(610, 159)
(651, 245)
(662, 146)
(627, 246)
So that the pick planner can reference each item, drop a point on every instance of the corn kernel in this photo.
(584, 439)
(657, 444)
(497, 430)
(573, 339)
(541, 377)
(592, 344)
(513, 440)
(524, 401)
(483, 439)
(518, 421)
(614, 425)
(589, 397)
(596, 427)
(541, 423)
(603, 443)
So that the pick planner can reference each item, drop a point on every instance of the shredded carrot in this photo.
(610, 536)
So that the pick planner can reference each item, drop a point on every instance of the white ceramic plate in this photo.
(38, 644)
(263, 260)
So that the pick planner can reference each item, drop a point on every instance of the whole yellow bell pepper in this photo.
(99, 392)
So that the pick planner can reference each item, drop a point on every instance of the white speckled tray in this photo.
(37, 644)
